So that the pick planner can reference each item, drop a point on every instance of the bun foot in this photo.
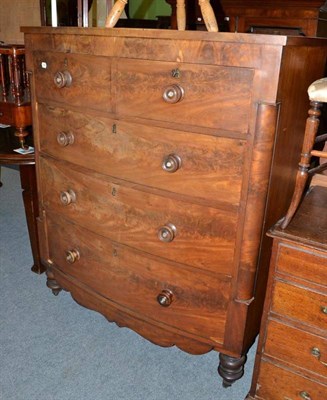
(230, 369)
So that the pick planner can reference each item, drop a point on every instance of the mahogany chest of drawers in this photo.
(292, 357)
(162, 158)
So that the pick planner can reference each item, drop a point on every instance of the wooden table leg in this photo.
(28, 184)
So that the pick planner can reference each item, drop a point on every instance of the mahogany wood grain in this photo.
(91, 82)
(294, 347)
(211, 167)
(133, 217)
(133, 280)
(237, 117)
(291, 357)
(275, 380)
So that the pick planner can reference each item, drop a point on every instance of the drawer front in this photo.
(6, 116)
(200, 236)
(195, 302)
(302, 349)
(90, 85)
(305, 264)
(201, 166)
(300, 304)
(211, 96)
(276, 383)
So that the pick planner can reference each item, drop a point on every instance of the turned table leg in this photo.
(28, 184)
(230, 369)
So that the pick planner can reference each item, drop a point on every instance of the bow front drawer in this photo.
(153, 289)
(202, 166)
(188, 233)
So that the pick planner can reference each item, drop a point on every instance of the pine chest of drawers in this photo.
(162, 158)
(292, 359)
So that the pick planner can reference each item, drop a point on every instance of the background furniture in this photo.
(26, 163)
(15, 104)
(157, 178)
(295, 17)
(291, 360)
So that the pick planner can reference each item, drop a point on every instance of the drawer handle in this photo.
(165, 298)
(323, 309)
(67, 197)
(305, 396)
(72, 256)
(167, 233)
(62, 79)
(315, 351)
(65, 138)
(173, 94)
(171, 163)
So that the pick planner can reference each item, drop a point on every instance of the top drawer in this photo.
(74, 79)
(199, 95)
(307, 264)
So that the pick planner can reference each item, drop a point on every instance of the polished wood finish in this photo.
(291, 359)
(160, 166)
(26, 163)
(15, 105)
(295, 17)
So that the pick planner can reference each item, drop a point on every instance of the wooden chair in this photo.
(206, 10)
(317, 92)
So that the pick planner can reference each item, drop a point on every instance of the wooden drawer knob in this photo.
(173, 94)
(167, 233)
(323, 309)
(72, 256)
(171, 163)
(315, 351)
(165, 298)
(65, 138)
(305, 395)
(62, 79)
(67, 197)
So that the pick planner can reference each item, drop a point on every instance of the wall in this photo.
(17, 13)
(148, 9)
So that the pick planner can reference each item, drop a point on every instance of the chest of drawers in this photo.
(292, 357)
(162, 157)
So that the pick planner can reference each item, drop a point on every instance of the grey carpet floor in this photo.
(53, 349)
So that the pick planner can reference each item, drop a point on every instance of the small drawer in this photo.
(276, 383)
(305, 264)
(188, 233)
(6, 115)
(301, 304)
(200, 95)
(189, 300)
(304, 350)
(201, 166)
(73, 79)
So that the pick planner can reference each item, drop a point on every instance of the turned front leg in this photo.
(230, 368)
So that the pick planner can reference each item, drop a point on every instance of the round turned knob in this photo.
(165, 298)
(167, 233)
(171, 163)
(65, 138)
(62, 79)
(173, 94)
(305, 396)
(67, 197)
(323, 309)
(72, 256)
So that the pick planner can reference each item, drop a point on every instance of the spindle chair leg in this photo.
(311, 130)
